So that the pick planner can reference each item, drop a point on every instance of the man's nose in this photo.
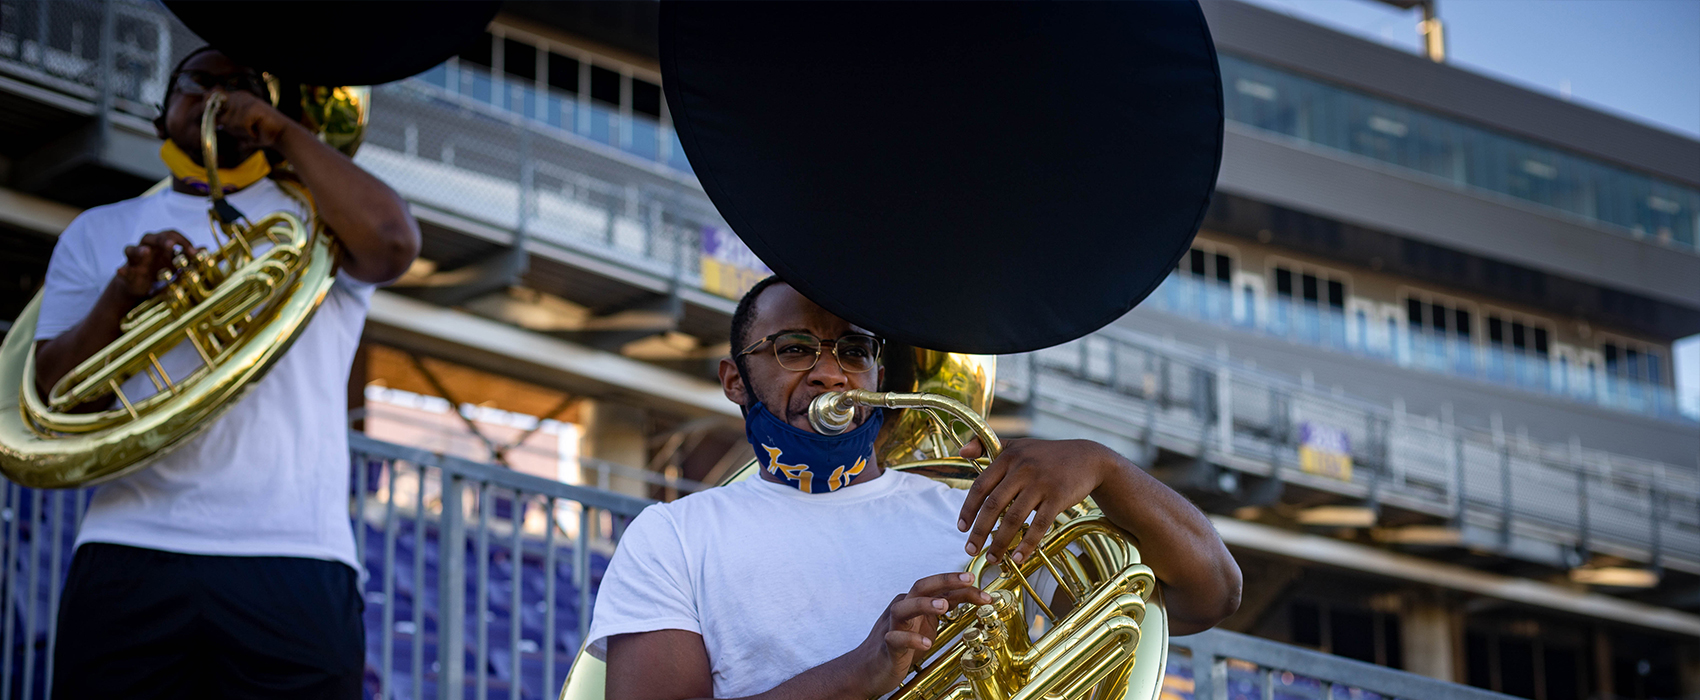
(827, 373)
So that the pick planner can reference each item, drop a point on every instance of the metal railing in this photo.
(116, 52)
(478, 580)
(1332, 329)
(1497, 490)
(1223, 665)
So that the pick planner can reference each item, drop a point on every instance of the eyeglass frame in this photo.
(879, 350)
(259, 84)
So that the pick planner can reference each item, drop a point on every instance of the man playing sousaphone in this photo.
(228, 567)
(781, 586)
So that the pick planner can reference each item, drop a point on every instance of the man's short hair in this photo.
(745, 316)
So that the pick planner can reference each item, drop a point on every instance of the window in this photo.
(604, 85)
(546, 80)
(563, 73)
(1208, 261)
(646, 98)
(1635, 360)
(1469, 156)
(1445, 316)
(519, 60)
(1316, 286)
(1520, 334)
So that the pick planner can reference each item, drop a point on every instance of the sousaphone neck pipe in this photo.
(833, 412)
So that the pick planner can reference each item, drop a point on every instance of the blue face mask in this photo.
(811, 462)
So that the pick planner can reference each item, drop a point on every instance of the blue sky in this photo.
(1639, 59)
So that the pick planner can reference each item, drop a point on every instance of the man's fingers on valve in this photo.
(955, 587)
(1044, 517)
(1009, 525)
(897, 640)
(1001, 501)
(913, 608)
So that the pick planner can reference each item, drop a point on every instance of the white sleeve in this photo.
(73, 285)
(648, 585)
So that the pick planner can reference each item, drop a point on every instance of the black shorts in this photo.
(142, 623)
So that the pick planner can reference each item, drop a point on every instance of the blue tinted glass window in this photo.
(1464, 154)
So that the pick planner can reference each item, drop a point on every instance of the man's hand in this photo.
(253, 121)
(1030, 477)
(1044, 477)
(144, 261)
(133, 282)
(907, 628)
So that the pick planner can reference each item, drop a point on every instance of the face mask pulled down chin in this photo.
(810, 462)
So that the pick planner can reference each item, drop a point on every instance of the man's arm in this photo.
(1044, 477)
(379, 237)
(674, 665)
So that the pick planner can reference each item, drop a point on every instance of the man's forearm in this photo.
(370, 219)
(56, 358)
(1179, 544)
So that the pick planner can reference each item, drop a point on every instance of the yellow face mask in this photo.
(229, 179)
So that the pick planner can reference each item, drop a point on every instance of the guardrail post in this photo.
(581, 571)
(1209, 673)
(451, 589)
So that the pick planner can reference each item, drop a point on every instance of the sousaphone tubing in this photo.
(242, 303)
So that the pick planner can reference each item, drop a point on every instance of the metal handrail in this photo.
(1212, 651)
(1155, 394)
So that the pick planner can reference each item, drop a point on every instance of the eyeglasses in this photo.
(197, 82)
(799, 352)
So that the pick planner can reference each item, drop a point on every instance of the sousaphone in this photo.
(241, 304)
(973, 178)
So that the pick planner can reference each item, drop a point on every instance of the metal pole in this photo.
(1583, 521)
(1505, 495)
(34, 566)
(108, 37)
(415, 640)
(9, 585)
(387, 664)
(41, 7)
(549, 574)
(1459, 500)
(482, 608)
(516, 579)
(1224, 402)
(581, 571)
(451, 590)
(54, 584)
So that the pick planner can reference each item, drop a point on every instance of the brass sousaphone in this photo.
(238, 306)
(975, 178)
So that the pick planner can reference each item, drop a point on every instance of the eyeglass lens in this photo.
(799, 352)
(196, 82)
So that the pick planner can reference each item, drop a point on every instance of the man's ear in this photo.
(732, 383)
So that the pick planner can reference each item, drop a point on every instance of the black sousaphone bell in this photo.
(971, 177)
(351, 42)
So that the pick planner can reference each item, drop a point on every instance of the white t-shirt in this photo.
(775, 580)
(271, 476)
